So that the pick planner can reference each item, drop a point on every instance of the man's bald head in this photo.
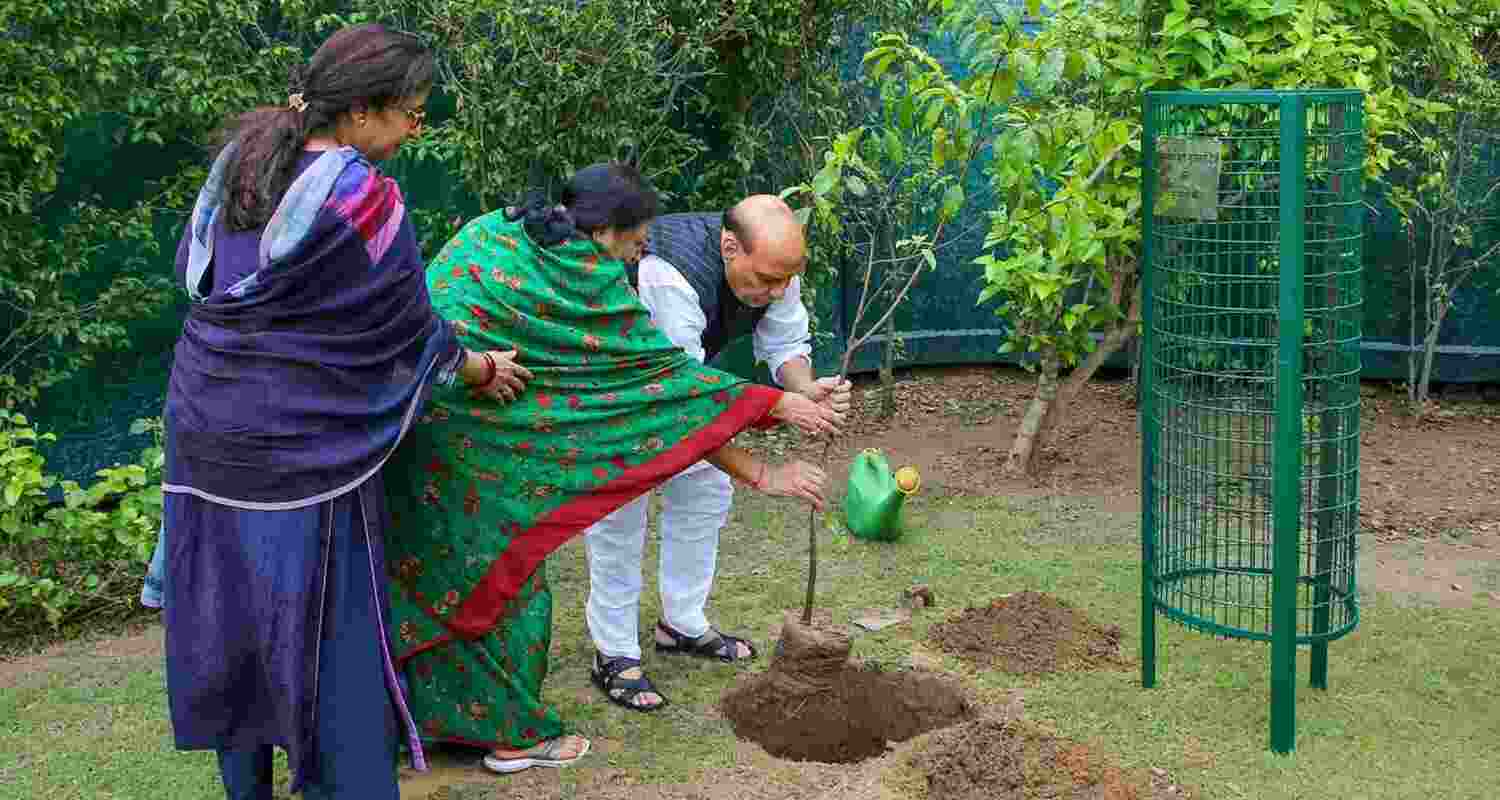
(765, 219)
(764, 248)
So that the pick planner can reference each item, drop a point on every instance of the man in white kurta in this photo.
(707, 279)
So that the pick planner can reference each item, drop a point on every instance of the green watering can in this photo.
(872, 506)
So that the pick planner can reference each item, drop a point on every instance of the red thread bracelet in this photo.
(490, 370)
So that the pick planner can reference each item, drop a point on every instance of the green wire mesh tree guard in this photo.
(1250, 386)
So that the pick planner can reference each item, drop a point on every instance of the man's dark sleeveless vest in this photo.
(690, 243)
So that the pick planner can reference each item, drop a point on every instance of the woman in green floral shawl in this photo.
(481, 495)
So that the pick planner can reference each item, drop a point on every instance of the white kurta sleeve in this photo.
(784, 332)
(674, 305)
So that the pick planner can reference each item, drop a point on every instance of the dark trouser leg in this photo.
(246, 773)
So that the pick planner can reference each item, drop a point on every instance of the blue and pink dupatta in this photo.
(294, 383)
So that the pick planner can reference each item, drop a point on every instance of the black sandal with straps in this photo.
(624, 691)
(712, 645)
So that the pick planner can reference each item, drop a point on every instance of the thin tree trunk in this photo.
(1435, 307)
(1411, 332)
(1116, 337)
(1023, 451)
(1429, 350)
(1135, 369)
(1068, 391)
(888, 372)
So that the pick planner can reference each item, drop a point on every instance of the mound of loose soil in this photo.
(1029, 633)
(813, 705)
(995, 759)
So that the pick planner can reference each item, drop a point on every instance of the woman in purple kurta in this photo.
(309, 347)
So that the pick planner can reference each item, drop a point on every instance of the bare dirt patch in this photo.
(813, 705)
(1009, 759)
(1430, 477)
(1461, 572)
(1029, 633)
(101, 653)
(955, 425)
(1418, 478)
(857, 720)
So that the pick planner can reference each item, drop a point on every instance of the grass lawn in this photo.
(1413, 709)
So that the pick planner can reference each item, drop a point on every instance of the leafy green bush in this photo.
(107, 107)
(61, 562)
(530, 91)
(541, 88)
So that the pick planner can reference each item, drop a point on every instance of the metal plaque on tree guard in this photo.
(1189, 170)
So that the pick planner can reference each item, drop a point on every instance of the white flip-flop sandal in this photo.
(546, 757)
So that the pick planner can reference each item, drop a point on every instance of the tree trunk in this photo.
(1411, 334)
(1023, 451)
(812, 525)
(888, 371)
(1056, 407)
(1429, 350)
(1434, 303)
(1114, 339)
(1135, 370)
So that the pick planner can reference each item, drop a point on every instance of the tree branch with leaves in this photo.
(1062, 254)
(1450, 200)
(879, 179)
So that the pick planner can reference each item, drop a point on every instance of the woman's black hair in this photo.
(612, 195)
(362, 66)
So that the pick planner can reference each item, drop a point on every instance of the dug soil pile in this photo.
(1029, 633)
(996, 759)
(813, 705)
